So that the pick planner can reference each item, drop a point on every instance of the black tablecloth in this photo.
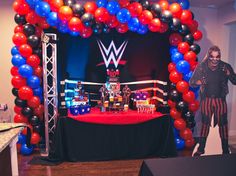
(216, 165)
(79, 141)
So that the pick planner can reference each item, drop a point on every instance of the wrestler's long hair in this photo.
(210, 50)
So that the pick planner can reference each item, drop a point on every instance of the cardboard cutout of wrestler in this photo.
(212, 75)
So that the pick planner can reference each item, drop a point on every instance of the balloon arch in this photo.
(93, 18)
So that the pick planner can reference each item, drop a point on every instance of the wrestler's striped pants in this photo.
(216, 107)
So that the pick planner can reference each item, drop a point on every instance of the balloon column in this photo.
(84, 20)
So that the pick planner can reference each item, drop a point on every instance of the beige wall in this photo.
(7, 26)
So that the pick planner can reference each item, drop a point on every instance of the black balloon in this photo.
(145, 4)
(188, 116)
(20, 103)
(191, 124)
(195, 48)
(29, 29)
(184, 30)
(97, 28)
(34, 120)
(172, 86)
(33, 41)
(106, 29)
(189, 39)
(27, 111)
(20, 19)
(78, 10)
(38, 51)
(156, 10)
(69, 2)
(15, 92)
(182, 107)
(175, 24)
(166, 16)
(174, 95)
(37, 128)
(88, 19)
(193, 16)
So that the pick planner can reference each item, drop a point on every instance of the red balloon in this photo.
(21, 7)
(135, 9)
(25, 50)
(33, 102)
(38, 31)
(180, 124)
(154, 25)
(112, 22)
(164, 27)
(90, 7)
(164, 4)
(75, 24)
(20, 119)
(175, 39)
(186, 134)
(193, 65)
(25, 93)
(197, 35)
(24, 131)
(190, 56)
(55, 4)
(182, 86)
(35, 138)
(18, 147)
(86, 32)
(33, 60)
(189, 96)
(18, 28)
(18, 82)
(124, 3)
(192, 25)
(175, 76)
(186, 16)
(189, 143)
(14, 71)
(176, 10)
(145, 17)
(171, 67)
(65, 13)
(19, 39)
(17, 109)
(122, 28)
(194, 106)
(102, 15)
(38, 71)
(32, 17)
(183, 47)
(42, 22)
(175, 114)
(39, 110)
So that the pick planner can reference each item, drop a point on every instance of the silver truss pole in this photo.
(49, 52)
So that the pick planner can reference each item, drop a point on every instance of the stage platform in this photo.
(113, 136)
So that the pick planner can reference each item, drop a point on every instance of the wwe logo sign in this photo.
(112, 54)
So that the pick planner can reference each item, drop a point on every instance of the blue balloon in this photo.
(133, 24)
(17, 60)
(21, 139)
(176, 57)
(176, 132)
(143, 29)
(25, 71)
(173, 49)
(113, 7)
(26, 150)
(42, 9)
(32, 3)
(14, 51)
(188, 76)
(73, 33)
(179, 143)
(183, 67)
(123, 16)
(101, 3)
(63, 28)
(38, 91)
(53, 19)
(184, 4)
(33, 82)
(194, 89)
